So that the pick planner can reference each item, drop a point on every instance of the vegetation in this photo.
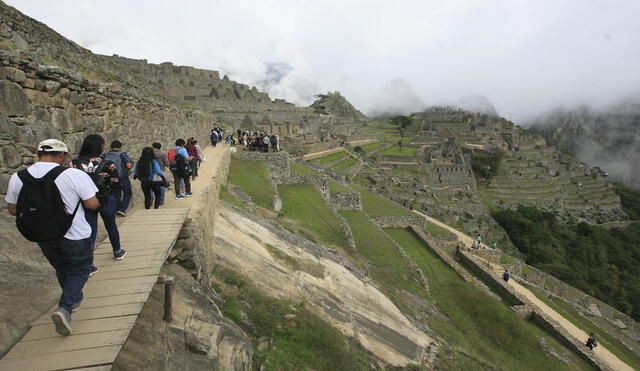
(301, 169)
(485, 164)
(225, 195)
(401, 123)
(282, 257)
(334, 187)
(570, 313)
(481, 333)
(630, 200)
(398, 151)
(602, 262)
(253, 178)
(330, 158)
(304, 205)
(298, 339)
(370, 146)
(344, 165)
(375, 205)
(436, 230)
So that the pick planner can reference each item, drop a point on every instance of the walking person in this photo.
(506, 275)
(179, 160)
(104, 175)
(163, 161)
(124, 165)
(151, 178)
(591, 341)
(194, 158)
(48, 212)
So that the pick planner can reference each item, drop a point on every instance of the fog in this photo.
(525, 57)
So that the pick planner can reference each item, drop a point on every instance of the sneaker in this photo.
(77, 305)
(178, 197)
(93, 271)
(62, 320)
(121, 213)
(120, 254)
(188, 194)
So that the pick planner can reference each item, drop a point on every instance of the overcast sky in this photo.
(526, 57)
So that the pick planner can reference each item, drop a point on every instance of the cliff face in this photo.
(608, 138)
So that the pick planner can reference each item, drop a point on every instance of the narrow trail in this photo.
(601, 352)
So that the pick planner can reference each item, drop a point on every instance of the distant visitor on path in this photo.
(46, 199)
(163, 161)
(506, 275)
(179, 160)
(124, 166)
(148, 171)
(494, 245)
(591, 341)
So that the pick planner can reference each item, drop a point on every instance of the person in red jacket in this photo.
(194, 158)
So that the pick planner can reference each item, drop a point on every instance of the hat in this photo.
(52, 145)
(116, 144)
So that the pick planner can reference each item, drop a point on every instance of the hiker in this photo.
(214, 137)
(163, 161)
(506, 275)
(194, 158)
(123, 165)
(474, 245)
(494, 245)
(591, 341)
(267, 143)
(104, 175)
(179, 160)
(48, 212)
(151, 177)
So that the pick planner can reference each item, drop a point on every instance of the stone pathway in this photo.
(573, 330)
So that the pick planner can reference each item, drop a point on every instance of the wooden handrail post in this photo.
(168, 296)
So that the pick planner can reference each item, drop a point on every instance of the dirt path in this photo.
(572, 329)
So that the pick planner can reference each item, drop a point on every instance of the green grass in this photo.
(301, 169)
(436, 230)
(395, 151)
(330, 158)
(284, 258)
(370, 146)
(344, 165)
(569, 312)
(505, 259)
(252, 177)
(478, 326)
(225, 195)
(335, 187)
(303, 204)
(376, 205)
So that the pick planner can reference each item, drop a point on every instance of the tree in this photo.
(401, 122)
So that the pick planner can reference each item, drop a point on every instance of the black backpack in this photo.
(41, 214)
(181, 166)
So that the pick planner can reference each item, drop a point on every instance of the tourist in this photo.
(60, 228)
(267, 143)
(104, 174)
(494, 245)
(199, 151)
(506, 275)
(163, 161)
(151, 177)
(179, 159)
(194, 158)
(124, 165)
(214, 137)
(591, 341)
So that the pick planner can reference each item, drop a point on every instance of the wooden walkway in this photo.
(114, 298)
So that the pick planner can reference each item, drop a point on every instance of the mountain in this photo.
(335, 104)
(396, 97)
(477, 103)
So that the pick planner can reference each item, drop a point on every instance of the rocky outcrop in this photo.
(335, 104)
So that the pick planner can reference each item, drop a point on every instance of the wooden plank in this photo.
(120, 267)
(66, 344)
(47, 330)
(99, 312)
(105, 276)
(97, 368)
(99, 292)
(121, 282)
(56, 361)
(149, 253)
(109, 261)
(130, 249)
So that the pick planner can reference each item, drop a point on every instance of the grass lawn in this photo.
(376, 205)
(330, 158)
(225, 195)
(335, 187)
(344, 165)
(479, 326)
(370, 146)
(395, 151)
(436, 230)
(252, 177)
(304, 205)
(569, 312)
(301, 169)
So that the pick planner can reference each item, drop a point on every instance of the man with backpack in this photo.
(179, 160)
(46, 199)
(123, 165)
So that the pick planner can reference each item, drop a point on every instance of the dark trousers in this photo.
(193, 164)
(72, 261)
(149, 187)
(108, 214)
(177, 182)
(123, 195)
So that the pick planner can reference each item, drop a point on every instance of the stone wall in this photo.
(277, 162)
(434, 246)
(346, 201)
(399, 221)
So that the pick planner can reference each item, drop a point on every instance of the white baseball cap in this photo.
(52, 145)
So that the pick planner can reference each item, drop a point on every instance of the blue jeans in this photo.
(123, 195)
(108, 214)
(72, 261)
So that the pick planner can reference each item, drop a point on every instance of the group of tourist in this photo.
(57, 201)
(258, 140)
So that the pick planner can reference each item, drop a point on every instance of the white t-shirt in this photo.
(74, 185)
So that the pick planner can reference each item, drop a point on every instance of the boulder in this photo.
(13, 100)
(13, 74)
(8, 129)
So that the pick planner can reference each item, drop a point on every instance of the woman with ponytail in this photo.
(151, 178)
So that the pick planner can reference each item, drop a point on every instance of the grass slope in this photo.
(313, 218)
(330, 158)
(301, 169)
(253, 178)
(375, 205)
(396, 151)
